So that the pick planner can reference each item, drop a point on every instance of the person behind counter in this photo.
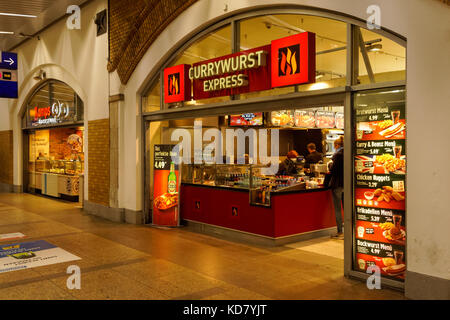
(313, 157)
(288, 167)
(337, 183)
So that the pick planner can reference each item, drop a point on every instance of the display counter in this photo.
(56, 177)
(286, 210)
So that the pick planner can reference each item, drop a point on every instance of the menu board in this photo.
(305, 119)
(282, 118)
(325, 119)
(339, 119)
(379, 187)
(246, 119)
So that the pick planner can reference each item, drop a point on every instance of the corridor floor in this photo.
(122, 261)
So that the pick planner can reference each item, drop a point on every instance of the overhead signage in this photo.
(236, 73)
(8, 75)
(287, 61)
(56, 113)
(294, 60)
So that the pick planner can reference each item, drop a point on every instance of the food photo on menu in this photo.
(339, 119)
(325, 119)
(385, 197)
(390, 126)
(305, 119)
(282, 118)
(390, 258)
(380, 225)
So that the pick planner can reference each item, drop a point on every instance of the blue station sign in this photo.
(8, 75)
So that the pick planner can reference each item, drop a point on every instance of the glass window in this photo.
(151, 101)
(213, 45)
(387, 59)
(331, 37)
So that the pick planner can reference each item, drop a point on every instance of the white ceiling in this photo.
(47, 12)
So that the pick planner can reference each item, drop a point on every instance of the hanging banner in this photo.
(166, 178)
(8, 75)
(379, 183)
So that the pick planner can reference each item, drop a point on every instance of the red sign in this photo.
(165, 187)
(41, 113)
(247, 119)
(287, 61)
(177, 85)
(294, 60)
(236, 73)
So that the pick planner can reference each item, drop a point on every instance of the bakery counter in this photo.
(54, 184)
(289, 214)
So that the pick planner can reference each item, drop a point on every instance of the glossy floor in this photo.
(122, 261)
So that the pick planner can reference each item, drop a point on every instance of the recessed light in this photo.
(6, 32)
(17, 15)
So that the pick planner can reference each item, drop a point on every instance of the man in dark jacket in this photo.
(337, 183)
(313, 157)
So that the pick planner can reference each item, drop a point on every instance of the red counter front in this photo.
(289, 214)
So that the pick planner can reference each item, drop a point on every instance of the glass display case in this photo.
(223, 175)
(66, 167)
(244, 177)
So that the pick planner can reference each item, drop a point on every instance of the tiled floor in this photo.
(121, 261)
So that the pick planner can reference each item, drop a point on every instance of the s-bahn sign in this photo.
(287, 61)
(8, 75)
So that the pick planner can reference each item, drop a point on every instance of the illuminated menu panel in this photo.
(247, 119)
(379, 182)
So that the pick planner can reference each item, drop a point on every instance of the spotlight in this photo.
(374, 47)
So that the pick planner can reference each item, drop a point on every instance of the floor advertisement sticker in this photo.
(11, 236)
(33, 254)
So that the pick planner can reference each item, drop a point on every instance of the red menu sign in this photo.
(379, 185)
(247, 119)
(166, 179)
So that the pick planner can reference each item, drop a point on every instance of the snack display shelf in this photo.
(55, 184)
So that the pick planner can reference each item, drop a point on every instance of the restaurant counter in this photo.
(289, 213)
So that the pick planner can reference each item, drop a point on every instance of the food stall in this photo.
(244, 197)
(240, 197)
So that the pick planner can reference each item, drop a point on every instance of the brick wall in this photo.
(98, 161)
(133, 26)
(6, 157)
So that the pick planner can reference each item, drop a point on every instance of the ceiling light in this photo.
(374, 47)
(6, 32)
(17, 15)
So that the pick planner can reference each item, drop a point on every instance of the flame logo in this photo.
(174, 87)
(289, 60)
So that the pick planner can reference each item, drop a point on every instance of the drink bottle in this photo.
(172, 180)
